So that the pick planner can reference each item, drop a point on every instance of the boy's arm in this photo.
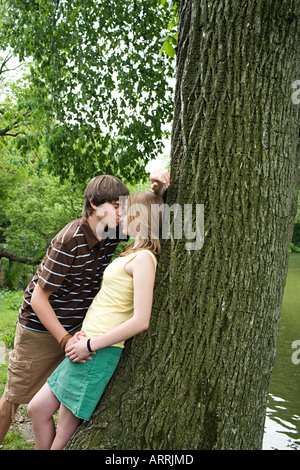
(56, 265)
(41, 306)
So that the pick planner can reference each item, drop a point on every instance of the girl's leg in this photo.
(67, 424)
(41, 410)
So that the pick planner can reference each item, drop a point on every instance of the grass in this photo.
(10, 302)
(15, 441)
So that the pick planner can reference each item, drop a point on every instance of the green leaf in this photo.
(291, 247)
(168, 49)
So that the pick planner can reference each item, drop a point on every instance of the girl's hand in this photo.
(79, 334)
(75, 338)
(78, 352)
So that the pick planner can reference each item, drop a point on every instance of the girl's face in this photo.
(134, 220)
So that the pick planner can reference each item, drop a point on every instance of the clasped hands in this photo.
(76, 348)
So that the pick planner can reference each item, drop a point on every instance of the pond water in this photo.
(282, 427)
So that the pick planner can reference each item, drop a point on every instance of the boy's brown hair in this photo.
(101, 189)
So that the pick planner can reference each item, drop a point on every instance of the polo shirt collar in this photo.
(90, 237)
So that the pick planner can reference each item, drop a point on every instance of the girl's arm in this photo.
(143, 272)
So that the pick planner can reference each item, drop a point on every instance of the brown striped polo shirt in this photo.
(72, 269)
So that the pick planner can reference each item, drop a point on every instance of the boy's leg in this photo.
(33, 359)
(67, 424)
(41, 410)
(7, 410)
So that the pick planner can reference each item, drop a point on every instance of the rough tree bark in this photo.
(199, 377)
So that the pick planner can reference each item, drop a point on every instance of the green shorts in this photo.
(79, 386)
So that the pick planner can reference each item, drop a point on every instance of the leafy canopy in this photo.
(99, 75)
(34, 206)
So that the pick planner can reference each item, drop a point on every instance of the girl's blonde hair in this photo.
(144, 210)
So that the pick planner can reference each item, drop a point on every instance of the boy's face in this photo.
(109, 213)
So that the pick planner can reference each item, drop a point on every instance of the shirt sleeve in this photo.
(56, 265)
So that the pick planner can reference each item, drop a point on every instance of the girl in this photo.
(120, 310)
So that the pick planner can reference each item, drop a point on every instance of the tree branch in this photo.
(3, 67)
(4, 253)
(7, 129)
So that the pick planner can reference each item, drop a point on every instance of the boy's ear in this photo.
(93, 205)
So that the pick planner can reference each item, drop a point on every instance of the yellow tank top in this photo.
(113, 304)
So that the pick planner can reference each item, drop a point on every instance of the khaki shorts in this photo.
(34, 358)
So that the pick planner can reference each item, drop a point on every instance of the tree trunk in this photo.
(199, 377)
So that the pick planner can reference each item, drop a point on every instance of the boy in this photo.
(57, 298)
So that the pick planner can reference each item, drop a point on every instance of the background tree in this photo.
(98, 74)
(10, 121)
(34, 206)
(198, 379)
(16, 116)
